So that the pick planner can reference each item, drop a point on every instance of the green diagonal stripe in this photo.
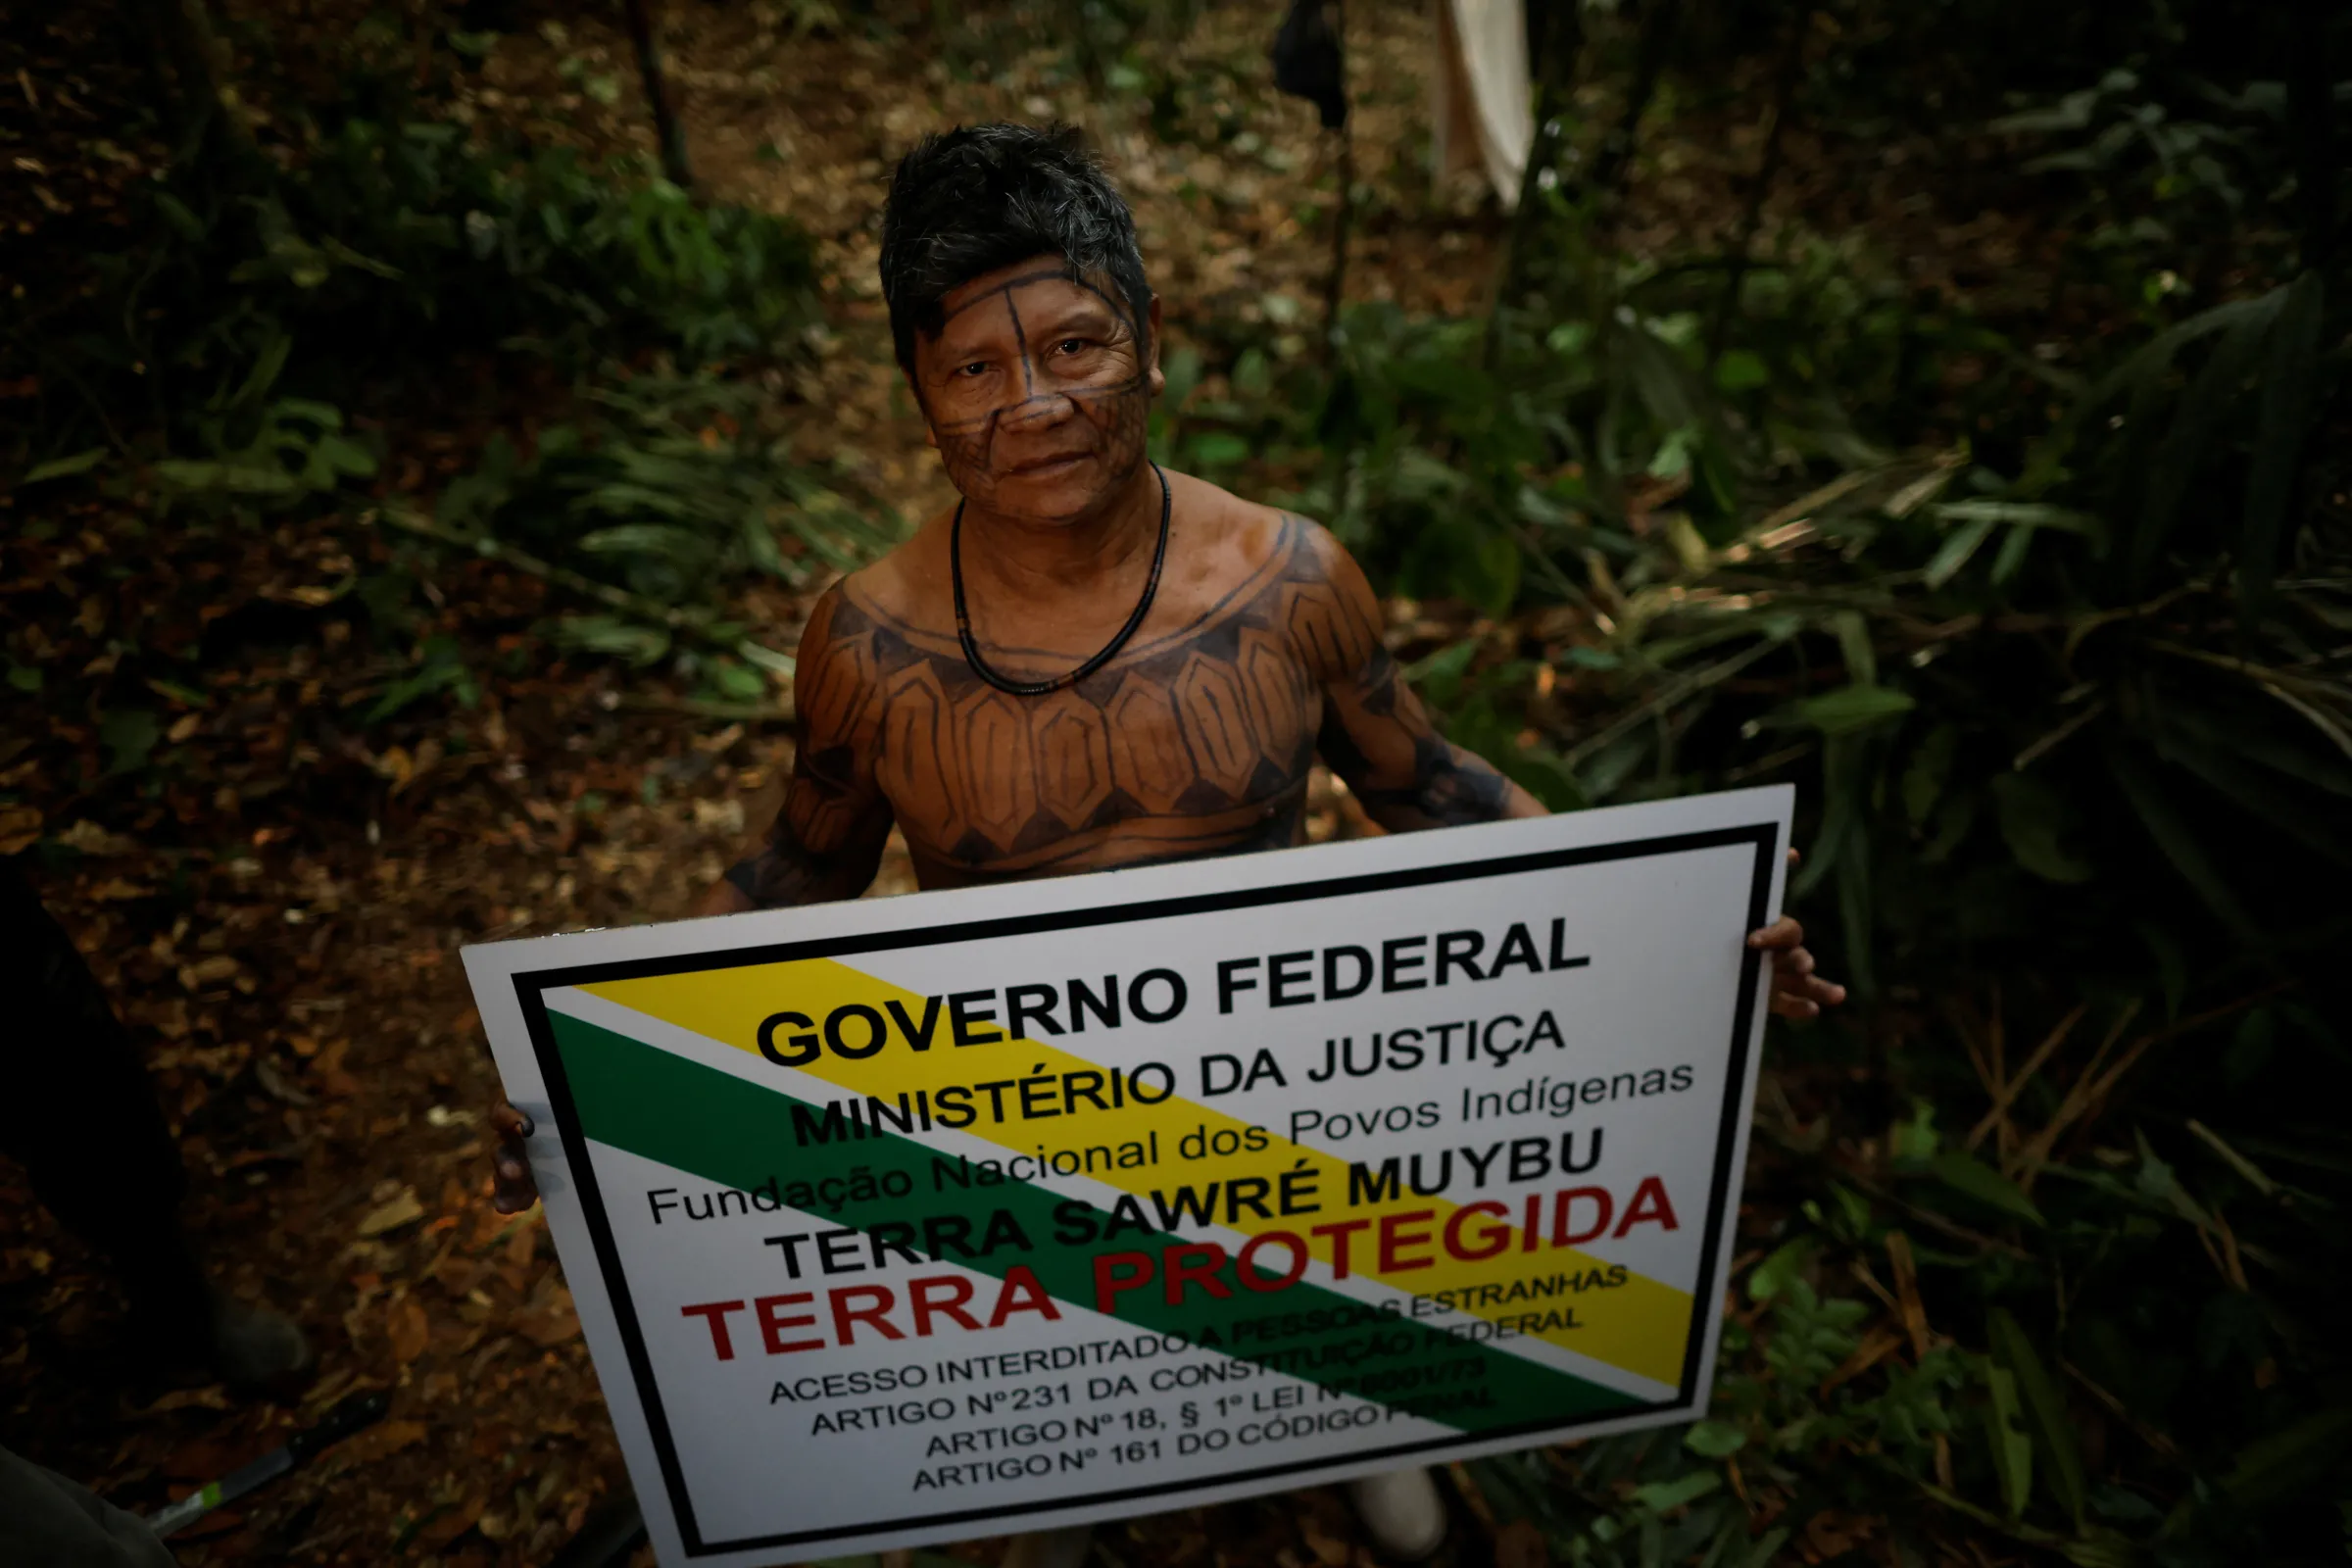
(735, 1134)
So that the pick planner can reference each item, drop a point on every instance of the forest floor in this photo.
(276, 903)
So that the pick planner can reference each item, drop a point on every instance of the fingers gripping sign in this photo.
(1797, 992)
(512, 1190)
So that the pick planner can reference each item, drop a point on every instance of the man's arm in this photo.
(826, 841)
(1375, 735)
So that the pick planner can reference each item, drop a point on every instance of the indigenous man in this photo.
(1088, 662)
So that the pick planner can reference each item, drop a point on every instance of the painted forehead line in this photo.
(1045, 275)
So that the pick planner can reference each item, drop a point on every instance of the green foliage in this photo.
(1110, 43)
(656, 501)
(382, 257)
(2069, 706)
(383, 246)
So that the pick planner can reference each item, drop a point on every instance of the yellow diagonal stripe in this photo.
(1641, 1326)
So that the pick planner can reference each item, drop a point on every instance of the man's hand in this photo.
(511, 1167)
(1796, 991)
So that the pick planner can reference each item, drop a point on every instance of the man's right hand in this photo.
(515, 1191)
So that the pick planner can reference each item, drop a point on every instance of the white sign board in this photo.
(916, 1219)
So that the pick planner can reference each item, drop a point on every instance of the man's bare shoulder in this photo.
(1247, 551)
(1221, 519)
(879, 619)
(907, 591)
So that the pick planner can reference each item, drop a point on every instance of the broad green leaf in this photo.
(647, 539)
(1785, 1264)
(1843, 777)
(1958, 546)
(1219, 449)
(2026, 514)
(230, 478)
(1930, 764)
(267, 366)
(336, 458)
(178, 213)
(1854, 646)
(2273, 1468)
(1487, 573)
(1715, 1439)
(1852, 707)
(2011, 1449)
(767, 658)
(637, 643)
(1182, 367)
(759, 546)
(63, 468)
(1970, 1176)
(1663, 1497)
(2222, 728)
(2165, 824)
(2034, 822)
(2287, 385)
(1740, 371)
(2196, 430)
(2263, 798)
(2053, 1431)
(2011, 558)
(129, 735)
(1855, 921)
(736, 683)
(1915, 1140)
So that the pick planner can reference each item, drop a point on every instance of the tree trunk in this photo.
(1659, 19)
(667, 129)
(1768, 165)
(182, 46)
(1557, 44)
(1342, 216)
(2310, 119)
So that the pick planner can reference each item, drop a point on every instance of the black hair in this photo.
(982, 197)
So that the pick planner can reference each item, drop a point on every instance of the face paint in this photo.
(1038, 395)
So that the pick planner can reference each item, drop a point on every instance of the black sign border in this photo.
(531, 986)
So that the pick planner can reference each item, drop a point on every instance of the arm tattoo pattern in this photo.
(1443, 785)
(790, 869)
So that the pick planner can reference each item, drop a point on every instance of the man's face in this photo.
(1036, 390)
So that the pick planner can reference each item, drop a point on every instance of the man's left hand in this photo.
(1796, 991)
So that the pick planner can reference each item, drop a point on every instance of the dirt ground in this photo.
(278, 908)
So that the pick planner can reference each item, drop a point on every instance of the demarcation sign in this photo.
(916, 1219)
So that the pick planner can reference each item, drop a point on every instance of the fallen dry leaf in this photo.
(88, 838)
(212, 1396)
(445, 1528)
(202, 1459)
(550, 1320)
(1521, 1544)
(408, 1328)
(381, 1441)
(203, 971)
(1328, 1549)
(391, 1216)
(19, 825)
